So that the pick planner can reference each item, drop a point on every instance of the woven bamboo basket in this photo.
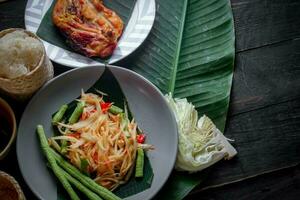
(9, 188)
(22, 87)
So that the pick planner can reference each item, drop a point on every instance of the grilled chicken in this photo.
(90, 27)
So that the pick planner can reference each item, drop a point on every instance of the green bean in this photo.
(88, 182)
(73, 119)
(91, 195)
(54, 144)
(63, 148)
(84, 166)
(59, 114)
(115, 110)
(77, 112)
(139, 166)
(55, 168)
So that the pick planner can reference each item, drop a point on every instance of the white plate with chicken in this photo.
(110, 37)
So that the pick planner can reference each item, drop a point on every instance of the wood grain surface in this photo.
(263, 22)
(266, 76)
(264, 115)
(279, 185)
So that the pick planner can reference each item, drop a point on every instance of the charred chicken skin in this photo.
(90, 27)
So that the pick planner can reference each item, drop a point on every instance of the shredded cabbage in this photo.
(201, 144)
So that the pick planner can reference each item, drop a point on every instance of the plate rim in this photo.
(176, 134)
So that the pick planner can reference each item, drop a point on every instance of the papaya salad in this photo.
(100, 140)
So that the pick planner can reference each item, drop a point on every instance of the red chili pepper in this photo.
(75, 135)
(86, 114)
(95, 157)
(92, 111)
(141, 138)
(83, 116)
(107, 164)
(105, 106)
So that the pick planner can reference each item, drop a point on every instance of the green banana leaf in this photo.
(190, 53)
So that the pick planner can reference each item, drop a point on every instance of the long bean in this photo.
(54, 144)
(139, 167)
(91, 195)
(59, 114)
(55, 168)
(76, 113)
(57, 118)
(64, 145)
(73, 119)
(88, 182)
(115, 110)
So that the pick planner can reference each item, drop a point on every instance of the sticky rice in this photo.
(19, 54)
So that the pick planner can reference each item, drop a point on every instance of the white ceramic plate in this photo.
(136, 31)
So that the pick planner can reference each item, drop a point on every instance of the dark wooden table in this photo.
(264, 115)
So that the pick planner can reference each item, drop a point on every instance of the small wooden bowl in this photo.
(9, 188)
(7, 113)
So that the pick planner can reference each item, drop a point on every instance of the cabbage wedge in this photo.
(201, 144)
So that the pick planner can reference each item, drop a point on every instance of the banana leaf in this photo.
(190, 53)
